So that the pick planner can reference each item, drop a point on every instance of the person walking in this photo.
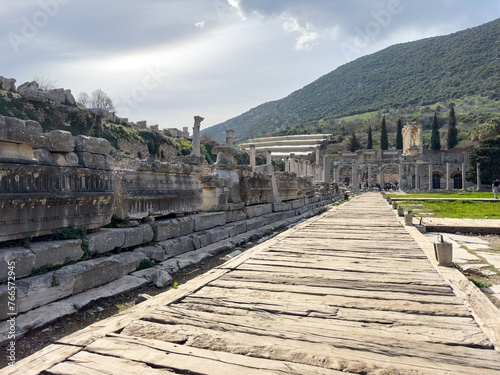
(495, 185)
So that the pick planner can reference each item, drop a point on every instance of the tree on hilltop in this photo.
(384, 141)
(399, 135)
(370, 139)
(98, 99)
(435, 140)
(452, 130)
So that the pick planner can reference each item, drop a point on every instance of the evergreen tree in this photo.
(384, 142)
(370, 139)
(435, 141)
(452, 130)
(354, 143)
(399, 135)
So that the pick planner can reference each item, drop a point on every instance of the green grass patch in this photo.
(480, 284)
(466, 209)
(443, 195)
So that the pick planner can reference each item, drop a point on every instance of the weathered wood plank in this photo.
(194, 360)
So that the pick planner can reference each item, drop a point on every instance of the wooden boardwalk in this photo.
(347, 292)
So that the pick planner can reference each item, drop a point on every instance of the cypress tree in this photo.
(384, 142)
(435, 141)
(370, 139)
(354, 143)
(452, 130)
(399, 135)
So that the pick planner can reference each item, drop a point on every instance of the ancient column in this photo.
(463, 176)
(252, 157)
(430, 176)
(355, 177)
(317, 156)
(269, 159)
(196, 136)
(304, 168)
(229, 138)
(369, 177)
(447, 176)
(326, 169)
(400, 176)
(478, 177)
(417, 177)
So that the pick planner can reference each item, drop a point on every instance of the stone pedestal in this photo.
(444, 253)
(408, 219)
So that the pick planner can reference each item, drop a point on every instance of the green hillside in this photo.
(409, 75)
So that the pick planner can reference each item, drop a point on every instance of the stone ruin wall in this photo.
(175, 214)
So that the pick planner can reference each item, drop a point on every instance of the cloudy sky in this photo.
(166, 61)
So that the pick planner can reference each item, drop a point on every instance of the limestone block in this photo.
(159, 277)
(70, 99)
(34, 128)
(95, 161)
(235, 216)
(280, 207)
(24, 260)
(236, 228)
(56, 252)
(219, 247)
(5, 307)
(65, 160)
(8, 84)
(33, 95)
(255, 223)
(18, 153)
(14, 130)
(271, 218)
(258, 210)
(33, 85)
(217, 234)
(209, 220)
(129, 262)
(152, 252)
(215, 198)
(37, 318)
(297, 203)
(166, 229)
(61, 96)
(90, 274)
(170, 265)
(122, 285)
(133, 236)
(196, 240)
(147, 233)
(92, 145)
(43, 156)
(57, 141)
(105, 240)
(177, 246)
(41, 290)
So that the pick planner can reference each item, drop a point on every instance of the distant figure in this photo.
(495, 185)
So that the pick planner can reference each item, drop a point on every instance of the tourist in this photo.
(495, 185)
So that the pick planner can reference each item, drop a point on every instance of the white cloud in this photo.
(307, 40)
(200, 24)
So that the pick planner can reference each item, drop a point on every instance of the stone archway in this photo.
(436, 180)
(345, 175)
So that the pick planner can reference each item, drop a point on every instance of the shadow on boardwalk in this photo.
(350, 291)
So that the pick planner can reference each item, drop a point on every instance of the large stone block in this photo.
(95, 161)
(148, 233)
(159, 277)
(92, 145)
(258, 210)
(236, 228)
(235, 216)
(177, 246)
(8, 301)
(148, 193)
(57, 141)
(153, 252)
(166, 229)
(105, 240)
(41, 290)
(217, 234)
(133, 236)
(14, 130)
(129, 262)
(56, 252)
(23, 262)
(35, 200)
(255, 223)
(17, 153)
(209, 220)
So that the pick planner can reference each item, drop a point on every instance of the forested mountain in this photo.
(420, 73)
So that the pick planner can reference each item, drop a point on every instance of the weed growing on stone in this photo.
(27, 241)
(146, 263)
(480, 284)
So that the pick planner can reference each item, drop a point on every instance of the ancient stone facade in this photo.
(414, 167)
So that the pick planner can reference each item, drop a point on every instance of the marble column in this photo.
(430, 176)
(196, 136)
(447, 176)
(463, 176)
(229, 138)
(287, 164)
(478, 176)
(304, 168)
(252, 157)
(326, 169)
(269, 159)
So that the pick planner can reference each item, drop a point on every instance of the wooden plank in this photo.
(193, 360)
(253, 296)
(41, 360)
(320, 353)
